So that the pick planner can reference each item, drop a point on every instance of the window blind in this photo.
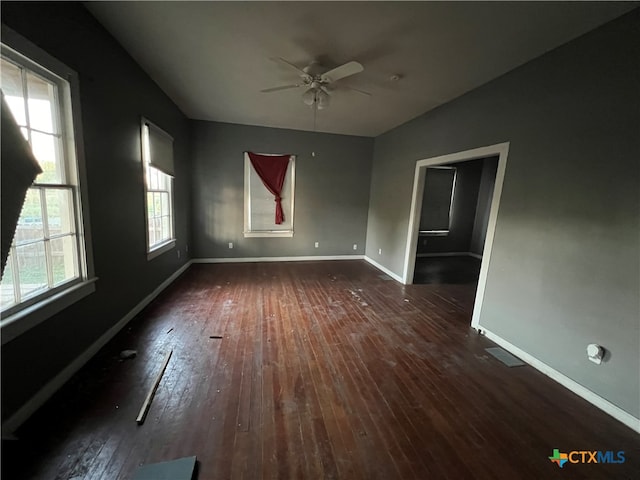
(438, 196)
(160, 150)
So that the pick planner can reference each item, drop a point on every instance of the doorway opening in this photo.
(453, 217)
(453, 221)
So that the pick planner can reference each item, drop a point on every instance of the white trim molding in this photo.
(305, 258)
(160, 249)
(53, 385)
(501, 150)
(384, 269)
(269, 234)
(580, 390)
(24, 320)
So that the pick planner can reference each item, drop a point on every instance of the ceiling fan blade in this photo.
(283, 87)
(357, 90)
(300, 72)
(349, 68)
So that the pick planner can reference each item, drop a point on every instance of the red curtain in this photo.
(272, 169)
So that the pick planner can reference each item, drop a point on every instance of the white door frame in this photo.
(501, 150)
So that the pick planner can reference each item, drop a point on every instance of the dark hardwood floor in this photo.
(448, 270)
(325, 371)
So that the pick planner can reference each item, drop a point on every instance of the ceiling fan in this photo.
(317, 82)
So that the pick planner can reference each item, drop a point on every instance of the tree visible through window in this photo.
(47, 254)
(157, 156)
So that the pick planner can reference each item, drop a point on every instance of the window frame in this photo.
(25, 315)
(159, 248)
(248, 232)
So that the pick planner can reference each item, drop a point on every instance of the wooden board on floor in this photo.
(147, 401)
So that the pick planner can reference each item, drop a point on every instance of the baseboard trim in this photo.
(449, 254)
(591, 397)
(396, 277)
(51, 387)
(305, 258)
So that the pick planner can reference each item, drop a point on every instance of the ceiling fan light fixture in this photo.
(309, 97)
(323, 99)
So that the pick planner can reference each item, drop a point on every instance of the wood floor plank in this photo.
(346, 363)
(324, 371)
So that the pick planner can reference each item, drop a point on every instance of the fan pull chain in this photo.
(315, 115)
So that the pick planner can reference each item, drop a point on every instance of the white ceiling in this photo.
(213, 58)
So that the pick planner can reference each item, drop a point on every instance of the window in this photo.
(260, 205)
(439, 187)
(48, 259)
(157, 160)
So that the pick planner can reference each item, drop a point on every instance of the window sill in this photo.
(24, 320)
(434, 233)
(160, 249)
(267, 234)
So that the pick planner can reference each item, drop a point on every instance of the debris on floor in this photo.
(152, 391)
(358, 298)
(180, 469)
(127, 354)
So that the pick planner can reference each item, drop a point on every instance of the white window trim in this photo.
(27, 318)
(158, 249)
(269, 234)
(24, 320)
(248, 233)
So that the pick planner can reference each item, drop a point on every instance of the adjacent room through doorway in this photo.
(453, 221)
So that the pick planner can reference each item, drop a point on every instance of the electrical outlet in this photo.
(317, 244)
(230, 244)
(178, 253)
(379, 251)
(355, 246)
(186, 248)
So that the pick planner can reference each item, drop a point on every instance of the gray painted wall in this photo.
(331, 191)
(115, 92)
(483, 208)
(564, 265)
(463, 212)
(564, 269)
